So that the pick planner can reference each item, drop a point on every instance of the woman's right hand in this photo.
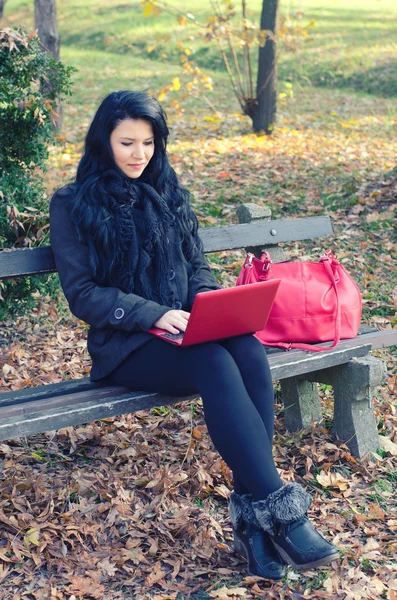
(173, 321)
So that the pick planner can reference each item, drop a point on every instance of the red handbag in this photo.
(316, 302)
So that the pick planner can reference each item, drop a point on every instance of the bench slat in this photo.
(41, 392)
(36, 261)
(259, 233)
(100, 402)
(76, 414)
(99, 395)
(26, 261)
(370, 335)
(282, 364)
(292, 365)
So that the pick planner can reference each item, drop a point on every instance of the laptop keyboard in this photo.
(173, 336)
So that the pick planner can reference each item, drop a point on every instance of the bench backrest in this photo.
(35, 261)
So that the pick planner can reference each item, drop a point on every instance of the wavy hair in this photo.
(100, 207)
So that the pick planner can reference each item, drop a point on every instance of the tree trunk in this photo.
(266, 88)
(2, 2)
(45, 16)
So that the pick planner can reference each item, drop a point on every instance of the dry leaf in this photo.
(196, 434)
(87, 587)
(386, 444)
(32, 537)
(370, 549)
(222, 490)
(153, 547)
(107, 567)
(332, 480)
(156, 575)
(228, 593)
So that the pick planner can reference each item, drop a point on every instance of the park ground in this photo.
(136, 507)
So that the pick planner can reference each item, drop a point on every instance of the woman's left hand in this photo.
(173, 321)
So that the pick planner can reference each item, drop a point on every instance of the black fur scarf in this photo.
(103, 213)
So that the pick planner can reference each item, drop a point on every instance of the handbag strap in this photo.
(327, 261)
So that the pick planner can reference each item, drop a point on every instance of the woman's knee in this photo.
(214, 355)
(213, 360)
(246, 347)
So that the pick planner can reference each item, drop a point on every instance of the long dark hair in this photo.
(100, 206)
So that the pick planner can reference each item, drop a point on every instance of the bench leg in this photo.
(354, 387)
(301, 403)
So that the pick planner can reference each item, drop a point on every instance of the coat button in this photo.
(119, 313)
(177, 305)
(172, 274)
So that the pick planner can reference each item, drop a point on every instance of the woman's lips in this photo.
(137, 166)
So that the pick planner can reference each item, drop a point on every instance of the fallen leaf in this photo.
(107, 567)
(386, 444)
(228, 593)
(332, 480)
(32, 537)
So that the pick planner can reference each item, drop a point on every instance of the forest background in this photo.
(136, 507)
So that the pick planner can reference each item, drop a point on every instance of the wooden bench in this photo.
(353, 373)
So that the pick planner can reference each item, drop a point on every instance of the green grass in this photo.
(352, 45)
(392, 476)
(384, 485)
(351, 50)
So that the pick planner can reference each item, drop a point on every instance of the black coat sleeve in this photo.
(99, 306)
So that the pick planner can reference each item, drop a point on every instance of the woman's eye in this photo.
(130, 143)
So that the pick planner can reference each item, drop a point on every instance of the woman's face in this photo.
(132, 144)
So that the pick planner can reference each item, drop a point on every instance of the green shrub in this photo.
(31, 83)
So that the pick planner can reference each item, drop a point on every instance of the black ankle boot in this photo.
(252, 542)
(283, 515)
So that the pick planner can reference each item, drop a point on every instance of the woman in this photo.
(129, 258)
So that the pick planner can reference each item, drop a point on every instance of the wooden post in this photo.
(252, 213)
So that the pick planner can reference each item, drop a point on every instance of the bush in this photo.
(31, 83)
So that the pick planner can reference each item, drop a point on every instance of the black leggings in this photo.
(233, 379)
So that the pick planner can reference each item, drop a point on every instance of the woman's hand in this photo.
(173, 321)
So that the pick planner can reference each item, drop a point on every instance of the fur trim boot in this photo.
(251, 541)
(283, 515)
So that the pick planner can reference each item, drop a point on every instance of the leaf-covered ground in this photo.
(136, 507)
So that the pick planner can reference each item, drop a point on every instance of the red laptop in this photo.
(225, 313)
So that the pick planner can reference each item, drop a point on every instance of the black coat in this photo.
(118, 321)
